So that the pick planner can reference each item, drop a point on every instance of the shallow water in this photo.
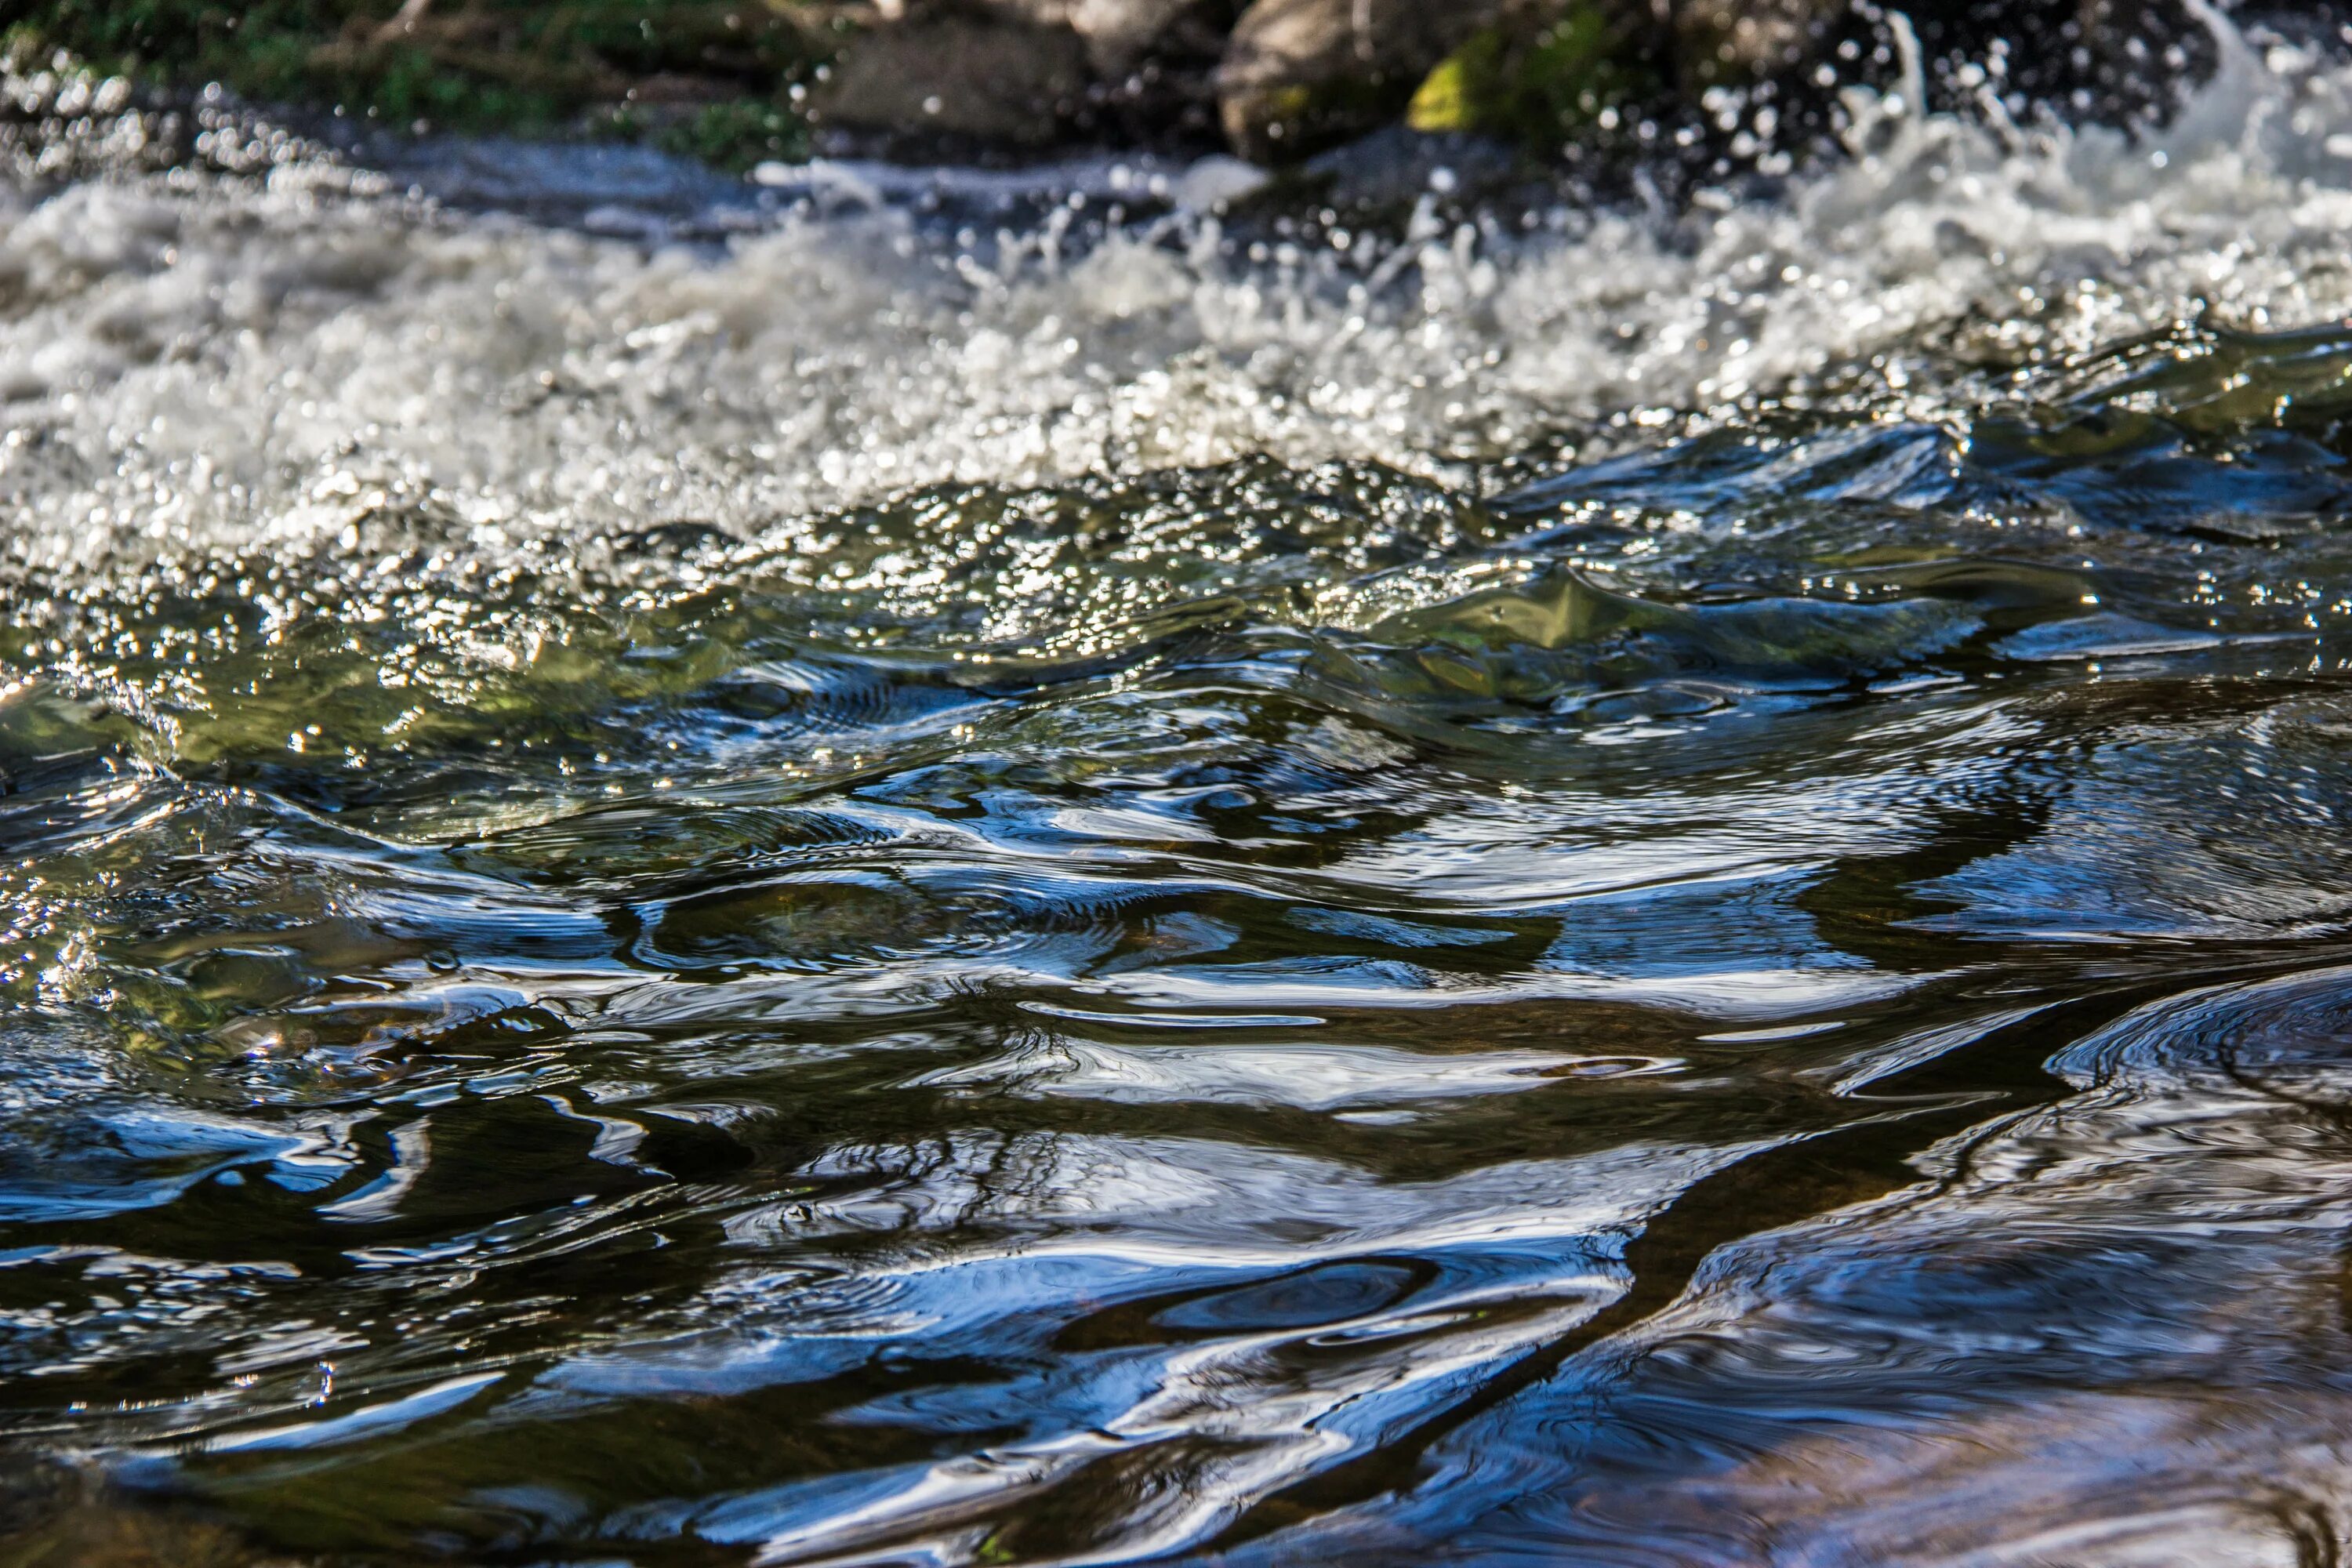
(840, 879)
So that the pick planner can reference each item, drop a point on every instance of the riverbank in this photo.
(737, 84)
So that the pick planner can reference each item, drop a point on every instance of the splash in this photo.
(209, 361)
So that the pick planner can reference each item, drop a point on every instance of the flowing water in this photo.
(927, 875)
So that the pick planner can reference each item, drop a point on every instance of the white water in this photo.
(218, 360)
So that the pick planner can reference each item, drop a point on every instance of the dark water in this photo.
(1772, 997)
(1508, 937)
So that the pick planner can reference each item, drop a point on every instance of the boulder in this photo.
(1298, 75)
(1284, 80)
(1745, 41)
(1008, 79)
(1119, 34)
(1545, 72)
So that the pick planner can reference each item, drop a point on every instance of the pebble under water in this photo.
(835, 882)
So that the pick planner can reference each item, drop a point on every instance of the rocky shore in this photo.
(1280, 79)
(1275, 81)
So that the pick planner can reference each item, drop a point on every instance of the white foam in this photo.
(228, 363)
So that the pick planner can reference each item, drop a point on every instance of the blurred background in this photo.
(739, 82)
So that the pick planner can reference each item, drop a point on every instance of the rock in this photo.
(1006, 79)
(1118, 34)
(1745, 40)
(1543, 73)
(1121, 33)
(1026, 13)
(2116, 60)
(1279, 80)
(1302, 74)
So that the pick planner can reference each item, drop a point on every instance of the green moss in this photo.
(1448, 100)
(1534, 88)
(709, 78)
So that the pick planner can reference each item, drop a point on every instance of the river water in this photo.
(910, 876)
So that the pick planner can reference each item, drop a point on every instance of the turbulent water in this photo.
(918, 875)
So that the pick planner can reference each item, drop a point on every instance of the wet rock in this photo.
(1008, 79)
(1298, 75)
(1717, 41)
(1545, 71)
(1155, 64)
(1735, 40)
(1301, 74)
(2113, 60)
(1276, 80)
(1119, 34)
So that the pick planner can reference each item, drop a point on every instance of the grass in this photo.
(707, 78)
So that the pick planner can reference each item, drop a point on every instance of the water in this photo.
(860, 879)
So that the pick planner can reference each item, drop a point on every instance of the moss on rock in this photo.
(1535, 84)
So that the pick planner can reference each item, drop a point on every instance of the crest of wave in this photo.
(217, 364)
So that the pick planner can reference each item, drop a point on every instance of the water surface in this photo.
(856, 882)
